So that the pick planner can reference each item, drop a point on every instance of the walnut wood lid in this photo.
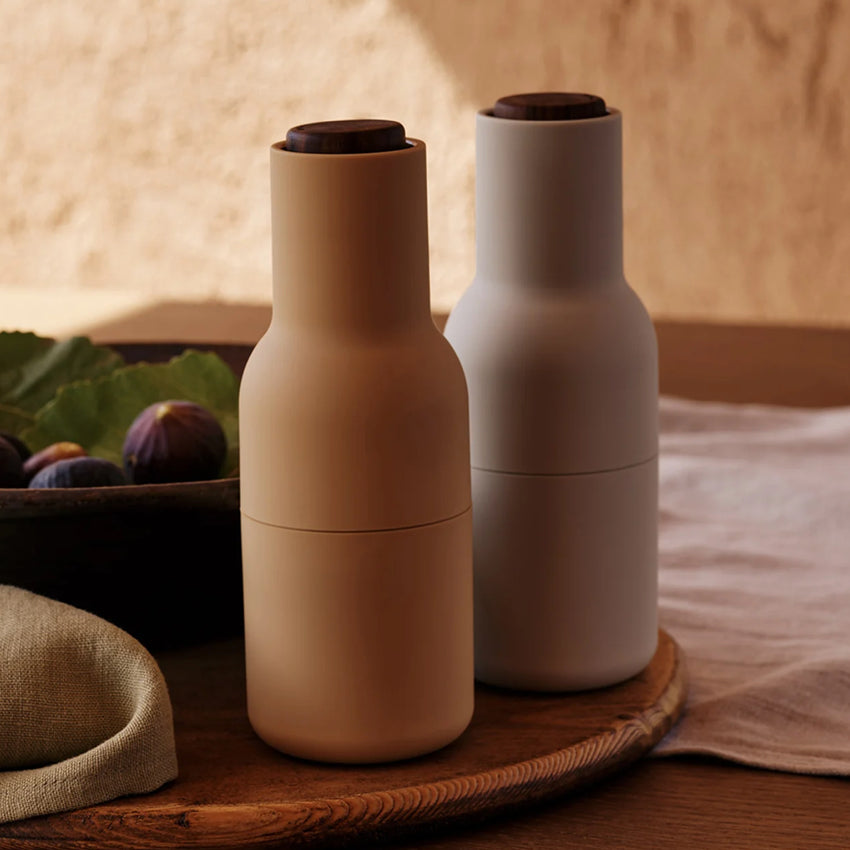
(549, 106)
(352, 136)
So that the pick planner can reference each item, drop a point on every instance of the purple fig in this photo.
(22, 448)
(50, 454)
(11, 466)
(172, 441)
(79, 472)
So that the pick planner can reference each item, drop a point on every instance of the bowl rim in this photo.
(214, 494)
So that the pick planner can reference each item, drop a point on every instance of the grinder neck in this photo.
(548, 201)
(350, 240)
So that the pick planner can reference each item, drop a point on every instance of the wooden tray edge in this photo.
(397, 811)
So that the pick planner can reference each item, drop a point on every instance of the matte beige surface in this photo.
(359, 646)
(134, 137)
(353, 407)
(354, 473)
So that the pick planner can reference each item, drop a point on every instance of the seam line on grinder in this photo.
(569, 474)
(358, 530)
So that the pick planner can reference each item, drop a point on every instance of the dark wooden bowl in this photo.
(161, 561)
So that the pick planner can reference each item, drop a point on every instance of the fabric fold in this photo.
(754, 581)
(85, 714)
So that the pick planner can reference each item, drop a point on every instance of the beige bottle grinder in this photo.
(354, 466)
(560, 359)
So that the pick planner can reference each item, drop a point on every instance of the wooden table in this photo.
(656, 803)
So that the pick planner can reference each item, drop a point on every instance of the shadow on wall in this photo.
(736, 138)
(499, 47)
(644, 48)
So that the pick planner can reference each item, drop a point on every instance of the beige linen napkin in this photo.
(754, 581)
(85, 715)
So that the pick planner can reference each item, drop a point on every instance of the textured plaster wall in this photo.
(135, 135)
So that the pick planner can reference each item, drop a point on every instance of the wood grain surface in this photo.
(235, 791)
(348, 136)
(549, 106)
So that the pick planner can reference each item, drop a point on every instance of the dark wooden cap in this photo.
(549, 106)
(354, 136)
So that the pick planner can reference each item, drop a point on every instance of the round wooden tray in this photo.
(235, 791)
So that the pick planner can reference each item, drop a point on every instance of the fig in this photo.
(50, 454)
(22, 448)
(11, 466)
(79, 472)
(174, 440)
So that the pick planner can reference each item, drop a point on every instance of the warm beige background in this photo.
(135, 136)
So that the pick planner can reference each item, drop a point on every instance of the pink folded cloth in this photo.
(754, 581)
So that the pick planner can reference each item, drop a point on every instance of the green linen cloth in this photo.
(85, 714)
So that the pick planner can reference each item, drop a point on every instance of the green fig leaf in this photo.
(33, 368)
(96, 413)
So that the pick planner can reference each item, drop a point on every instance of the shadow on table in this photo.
(185, 321)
